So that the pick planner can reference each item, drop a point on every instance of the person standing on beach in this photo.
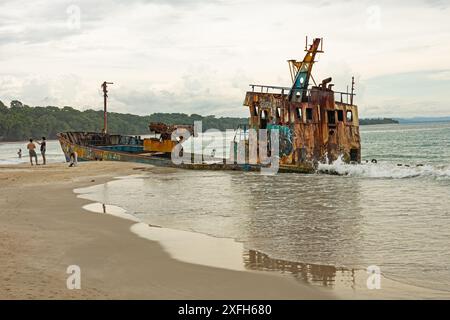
(73, 157)
(43, 144)
(19, 153)
(31, 150)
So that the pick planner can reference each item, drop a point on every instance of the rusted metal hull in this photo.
(317, 123)
(322, 129)
(79, 142)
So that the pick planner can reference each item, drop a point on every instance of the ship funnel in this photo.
(326, 81)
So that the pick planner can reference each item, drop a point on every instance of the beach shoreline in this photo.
(44, 230)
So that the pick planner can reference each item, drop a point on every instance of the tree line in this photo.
(363, 122)
(20, 122)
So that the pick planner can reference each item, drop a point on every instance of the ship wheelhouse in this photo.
(316, 123)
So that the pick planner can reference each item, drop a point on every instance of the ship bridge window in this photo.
(298, 113)
(264, 118)
(264, 114)
(255, 111)
(340, 115)
(349, 116)
(331, 116)
(309, 114)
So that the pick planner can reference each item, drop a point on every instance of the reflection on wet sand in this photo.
(303, 218)
(347, 283)
(310, 273)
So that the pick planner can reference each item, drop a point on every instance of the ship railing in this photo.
(342, 97)
(266, 89)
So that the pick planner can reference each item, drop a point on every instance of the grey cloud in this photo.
(398, 108)
(440, 4)
(407, 94)
(46, 20)
(407, 84)
(32, 35)
(150, 101)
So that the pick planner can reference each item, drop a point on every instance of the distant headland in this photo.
(372, 121)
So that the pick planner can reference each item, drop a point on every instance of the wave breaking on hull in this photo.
(385, 170)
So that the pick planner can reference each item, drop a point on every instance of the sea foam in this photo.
(385, 170)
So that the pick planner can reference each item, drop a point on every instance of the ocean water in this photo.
(8, 152)
(394, 214)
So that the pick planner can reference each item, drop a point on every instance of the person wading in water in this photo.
(31, 150)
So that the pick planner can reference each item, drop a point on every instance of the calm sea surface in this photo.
(395, 217)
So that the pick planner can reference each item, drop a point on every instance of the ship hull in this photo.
(130, 153)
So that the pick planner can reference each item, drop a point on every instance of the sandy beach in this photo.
(43, 230)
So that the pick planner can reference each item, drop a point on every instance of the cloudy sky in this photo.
(199, 56)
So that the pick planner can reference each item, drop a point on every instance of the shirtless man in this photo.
(31, 149)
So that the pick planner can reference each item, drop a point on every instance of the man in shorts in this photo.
(31, 150)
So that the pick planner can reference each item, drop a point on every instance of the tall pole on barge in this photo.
(105, 114)
(353, 91)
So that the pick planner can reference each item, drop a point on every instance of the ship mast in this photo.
(105, 114)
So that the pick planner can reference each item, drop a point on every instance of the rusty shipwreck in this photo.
(314, 124)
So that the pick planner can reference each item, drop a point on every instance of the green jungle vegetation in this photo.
(19, 122)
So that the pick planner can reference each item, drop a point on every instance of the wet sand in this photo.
(43, 230)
